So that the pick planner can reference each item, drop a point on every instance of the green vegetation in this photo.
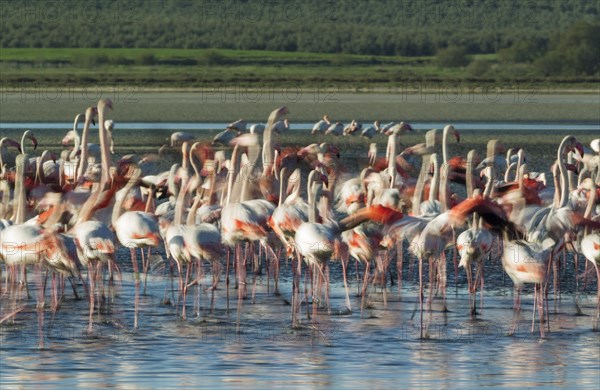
(221, 68)
(347, 43)
(371, 27)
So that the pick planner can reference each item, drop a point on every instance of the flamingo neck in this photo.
(469, 173)
(104, 147)
(435, 180)
(76, 146)
(282, 182)
(83, 158)
(391, 151)
(232, 174)
(19, 196)
(564, 188)
(117, 208)
(445, 171)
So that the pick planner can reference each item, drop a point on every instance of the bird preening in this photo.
(246, 208)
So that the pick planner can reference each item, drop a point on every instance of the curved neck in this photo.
(232, 173)
(557, 187)
(435, 180)
(445, 145)
(2, 151)
(193, 161)
(282, 182)
(509, 169)
(564, 187)
(25, 135)
(489, 186)
(469, 173)
(267, 150)
(181, 200)
(19, 196)
(591, 201)
(83, 159)
(171, 186)
(570, 174)
(519, 159)
(391, 157)
(119, 203)
(76, 146)
(445, 171)
(39, 175)
(312, 206)
(191, 218)
(104, 147)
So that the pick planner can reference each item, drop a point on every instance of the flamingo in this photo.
(224, 137)
(179, 137)
(523, 261)
(321, 126)
(370, 131)
(315, 242)
(352, 128)
(257, 128)
(239, 126)
(335, 129)
(590, 247)
(135, 229)
(475, 243)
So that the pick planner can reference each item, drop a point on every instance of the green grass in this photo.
(181, 68)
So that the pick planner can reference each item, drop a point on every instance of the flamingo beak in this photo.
(34, 141)
(579, 148)
(457, 136)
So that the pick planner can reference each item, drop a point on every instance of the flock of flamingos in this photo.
(265, 202)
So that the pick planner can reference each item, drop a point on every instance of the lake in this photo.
(380, 347)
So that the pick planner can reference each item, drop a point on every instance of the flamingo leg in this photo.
(227, 255)
(185, 288)
(399, 261)
(364, 288)
(344, 259)
(92, 294)
(136, 276)
(421, 295)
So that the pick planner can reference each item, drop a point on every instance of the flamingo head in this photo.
(29, 135)
(68, 138)
(579, 148)
(105, 103)
(333, 150)
(92, 112)
(13, 143)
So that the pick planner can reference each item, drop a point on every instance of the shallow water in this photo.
(381, 346)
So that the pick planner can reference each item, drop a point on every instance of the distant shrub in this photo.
(478, 68)
(92, 60)
(521, 52)
(551, 64)
(452, 57)
(146, 59)
(121, 60)
(212, 58)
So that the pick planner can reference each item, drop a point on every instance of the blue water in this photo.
(378, 348)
